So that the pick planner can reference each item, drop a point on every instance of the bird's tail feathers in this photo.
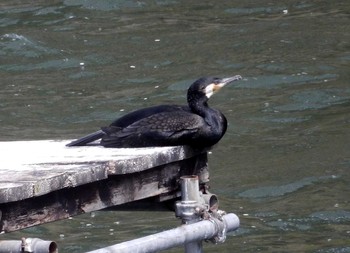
(86, 139)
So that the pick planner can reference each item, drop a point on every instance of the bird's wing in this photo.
(166, 123)
(159, 129)
(137, 115)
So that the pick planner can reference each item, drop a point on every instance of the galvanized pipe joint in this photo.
(28, 245)
(194, 204)
(185, 234)
(203, 222)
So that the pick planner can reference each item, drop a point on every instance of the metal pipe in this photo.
(190, 206)
(202, 230)
(33, 245)
(190, 189)
(194, 247)
(212, 201)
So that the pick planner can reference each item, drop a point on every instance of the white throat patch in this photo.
(209, 90)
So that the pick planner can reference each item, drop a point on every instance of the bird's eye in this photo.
(216, 81)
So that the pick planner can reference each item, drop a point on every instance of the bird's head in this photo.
(205, 87)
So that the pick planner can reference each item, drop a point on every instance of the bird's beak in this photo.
(225, 81)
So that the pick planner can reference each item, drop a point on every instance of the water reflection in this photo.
(283, 164)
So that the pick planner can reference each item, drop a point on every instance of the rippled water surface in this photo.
(69, 67)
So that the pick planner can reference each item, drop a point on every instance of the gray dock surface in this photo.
(43, 181)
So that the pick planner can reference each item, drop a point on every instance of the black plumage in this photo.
(196, 124)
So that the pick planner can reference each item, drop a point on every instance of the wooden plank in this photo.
(34, 168)
(114, 190)
(44, 181)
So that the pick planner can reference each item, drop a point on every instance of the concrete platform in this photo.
(44, 181)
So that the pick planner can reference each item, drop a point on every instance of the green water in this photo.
(69, 67)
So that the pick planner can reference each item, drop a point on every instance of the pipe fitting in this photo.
(28, 245)
(211, 200)
(194, 204)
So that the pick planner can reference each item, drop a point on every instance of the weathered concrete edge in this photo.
(71, 174)
(82, 174)
(140, 163)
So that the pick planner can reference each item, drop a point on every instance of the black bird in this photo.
(196, 125)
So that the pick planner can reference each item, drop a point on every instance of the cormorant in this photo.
(196, 125)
